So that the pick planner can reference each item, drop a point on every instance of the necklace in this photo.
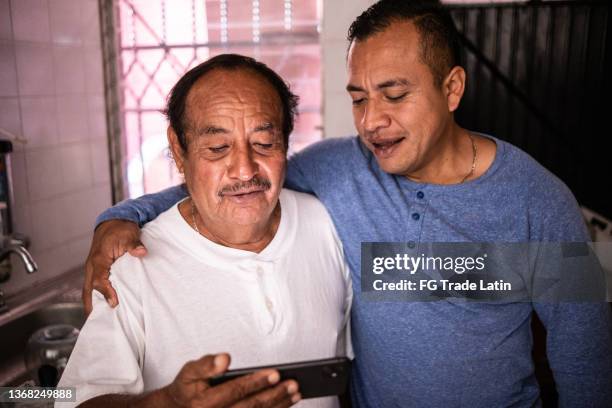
(193, 217)
(474, 153)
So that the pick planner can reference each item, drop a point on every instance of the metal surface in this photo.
(22, 253)
(14, 336)
(114, 123)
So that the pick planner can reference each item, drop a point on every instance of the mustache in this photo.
(258, 182)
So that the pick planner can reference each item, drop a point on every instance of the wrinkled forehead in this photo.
(237, 94)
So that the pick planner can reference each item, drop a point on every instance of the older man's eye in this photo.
(218, 149)
(396, 98)
(357, 102)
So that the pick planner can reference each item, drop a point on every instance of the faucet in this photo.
(22, 252)
(16, 244)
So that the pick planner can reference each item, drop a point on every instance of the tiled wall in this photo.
(51, 93)
(337, 17)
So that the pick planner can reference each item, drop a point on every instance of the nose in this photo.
(241, 165)
(374, 117)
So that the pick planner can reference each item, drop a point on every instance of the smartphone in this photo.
(316, 378)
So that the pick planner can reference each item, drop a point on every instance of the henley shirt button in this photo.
(269, 304)
(411, 244)
(415, 216)
(420, 194)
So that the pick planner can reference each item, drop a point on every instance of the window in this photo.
(159, 40)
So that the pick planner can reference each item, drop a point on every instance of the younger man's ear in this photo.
(453, 87)
(177, 151)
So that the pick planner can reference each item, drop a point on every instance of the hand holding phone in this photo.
(316, 378)
(191, 386)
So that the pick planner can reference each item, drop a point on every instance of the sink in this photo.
(14, 336)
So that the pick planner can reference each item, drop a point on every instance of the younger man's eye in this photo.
(264, 145)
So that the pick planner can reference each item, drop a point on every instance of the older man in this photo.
(239, 265)
(415, 176)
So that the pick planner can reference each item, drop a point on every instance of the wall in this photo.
(548, 90)
(51, 93)
(337, 17)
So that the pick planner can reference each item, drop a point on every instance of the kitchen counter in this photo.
(64, 288)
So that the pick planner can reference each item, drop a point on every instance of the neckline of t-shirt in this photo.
(500, 152)
(212, 253)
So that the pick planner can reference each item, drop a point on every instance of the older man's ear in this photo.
(177, 151)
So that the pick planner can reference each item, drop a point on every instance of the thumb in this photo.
(206, 367)
(138, 249)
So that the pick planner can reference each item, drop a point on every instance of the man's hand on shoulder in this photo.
(111, 240)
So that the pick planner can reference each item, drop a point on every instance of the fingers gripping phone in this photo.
(316, 378)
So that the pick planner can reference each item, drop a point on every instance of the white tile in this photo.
(69, 70)
(75, 223)
(20, 179)
(99, 160)
(76, 166)
(8, 73)
(81, 217)
(72, 118)
(58, 259)
(39, 120)
(35, 68)
(47, 224)
(91, 21)
(96, 116)
(30, 20)
(92, 61)
(50, 263)
(44, 169)
(6, 28)
(78, 250)
(22, 220)
(66, 21)
(103, 199)
(10, 119)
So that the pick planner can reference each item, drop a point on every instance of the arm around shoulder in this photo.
(144, 209)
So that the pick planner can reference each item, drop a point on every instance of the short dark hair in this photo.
(439, 42)
(176, 107)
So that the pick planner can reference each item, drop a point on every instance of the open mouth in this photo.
(386, 147)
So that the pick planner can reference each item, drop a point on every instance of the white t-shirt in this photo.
(190, 297)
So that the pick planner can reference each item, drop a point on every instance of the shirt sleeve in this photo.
(346, 339)
(146, 208)
(344, 345)
(299, 176)
(579, 353)
(109, 353)
(578, 333)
